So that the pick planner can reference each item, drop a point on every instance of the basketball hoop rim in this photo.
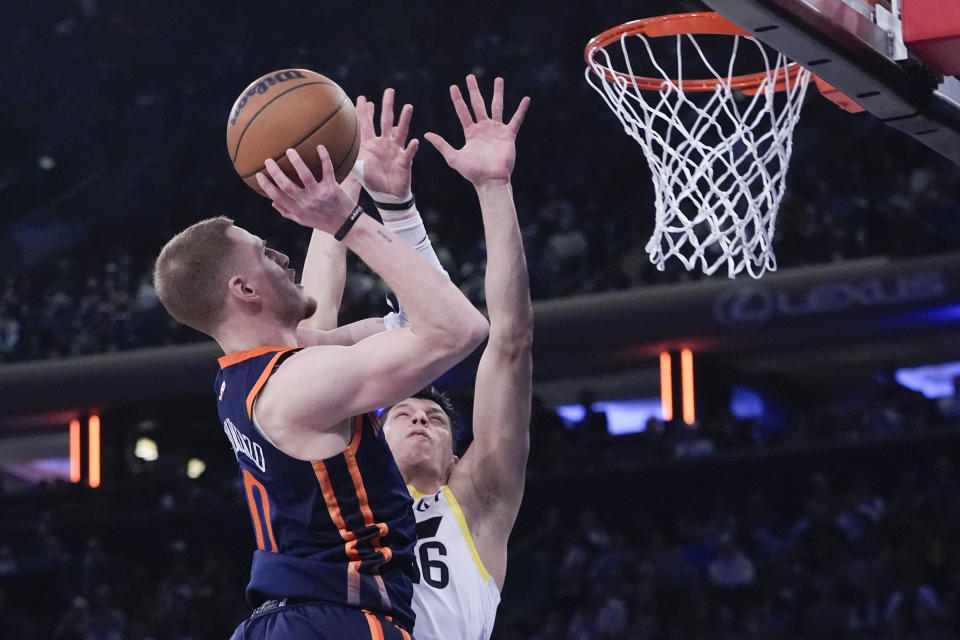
(700, 22)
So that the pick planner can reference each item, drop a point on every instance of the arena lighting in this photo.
(146, 449)
(746, 403)
(93, 473)
(686, 372)
(932, 380)
(623, 416)
(946, 314)
(666, 386)
(195, 468)
(75, 451)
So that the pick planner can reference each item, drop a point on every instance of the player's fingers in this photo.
(327, 165)
(517, 119)
(496, 105)
(476, 100)
(463, 112)
(386, 112)
(365, 118)
(411, 151)
(283, 182)
(440, 145)
(269, 188)
(403, 124)
(306, 176)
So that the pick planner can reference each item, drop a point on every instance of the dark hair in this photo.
(443, 400)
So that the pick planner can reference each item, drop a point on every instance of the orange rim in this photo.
(704, 22)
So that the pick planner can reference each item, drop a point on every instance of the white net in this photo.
(719, 158)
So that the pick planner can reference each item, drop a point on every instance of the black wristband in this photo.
(348, 223)
(399, 206)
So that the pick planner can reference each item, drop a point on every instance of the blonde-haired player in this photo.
(465, 508)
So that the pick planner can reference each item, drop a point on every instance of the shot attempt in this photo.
(331, 514)
(465, 508)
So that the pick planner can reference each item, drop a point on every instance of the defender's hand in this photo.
(489, 152)
(320, 205)
(387, 163)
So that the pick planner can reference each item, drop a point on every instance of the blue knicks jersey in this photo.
(337, 530)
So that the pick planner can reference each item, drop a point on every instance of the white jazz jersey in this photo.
(453, 595)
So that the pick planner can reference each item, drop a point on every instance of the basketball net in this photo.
(718, 153)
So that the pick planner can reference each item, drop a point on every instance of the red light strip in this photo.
(94, 471)
(74, 451)
(666, 386)
(686, 373)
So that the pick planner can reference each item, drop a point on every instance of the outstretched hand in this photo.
(322, 205)
(489, 151)
(386, 161)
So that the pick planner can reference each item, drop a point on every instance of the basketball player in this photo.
(465, 508)
(332, 518)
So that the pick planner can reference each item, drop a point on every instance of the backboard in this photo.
(858, 47)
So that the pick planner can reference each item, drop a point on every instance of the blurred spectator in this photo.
(950, 405)
(593, 427)
(732, 568)
(837, 559)
(95, 129)
(8, 563)
(689, 442)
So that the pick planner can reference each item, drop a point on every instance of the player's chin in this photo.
(409, 455)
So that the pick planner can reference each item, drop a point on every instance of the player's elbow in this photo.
(475, 330)
(514, 340)
(466, 335)
(455, 340)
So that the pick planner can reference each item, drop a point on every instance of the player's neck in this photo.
(252, 333)
(425, 481)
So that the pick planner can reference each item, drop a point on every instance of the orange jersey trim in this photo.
(262, 380)
(364, 500)
(249, 483)
(239, 356)
(382, 528)
(376, 629)
(349, 537)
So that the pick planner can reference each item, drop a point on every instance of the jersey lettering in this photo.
(243, 444)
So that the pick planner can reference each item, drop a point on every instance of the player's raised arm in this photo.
(384, 165)
(325, 271)
(489, 480)
(323, 278)
(321, 386)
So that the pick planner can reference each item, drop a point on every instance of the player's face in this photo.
(268, 272)
(419, 434)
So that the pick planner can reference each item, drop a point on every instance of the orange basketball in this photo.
(292, 108)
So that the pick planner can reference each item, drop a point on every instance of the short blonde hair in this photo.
(191, 271)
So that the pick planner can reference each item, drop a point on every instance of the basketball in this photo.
(292, 108)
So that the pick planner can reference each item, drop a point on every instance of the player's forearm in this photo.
(507, 283)
(325, 271)
(436, 309)
(348, 334)
(362, 329)
(324, 275)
